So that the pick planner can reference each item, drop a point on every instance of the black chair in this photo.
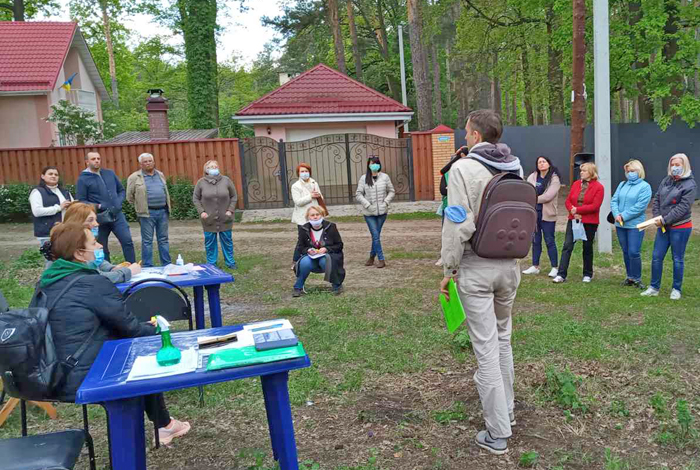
(171, 304)
(55, 451)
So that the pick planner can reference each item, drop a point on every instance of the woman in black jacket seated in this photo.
(92, 303)
(322, 247)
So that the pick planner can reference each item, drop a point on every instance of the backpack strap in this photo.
(72, 360)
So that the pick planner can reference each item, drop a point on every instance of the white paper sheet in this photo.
(146, 367)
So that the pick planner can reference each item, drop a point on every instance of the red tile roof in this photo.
(322, 90)
(32, 54)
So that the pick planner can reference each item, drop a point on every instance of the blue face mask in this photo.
(676, 170)
(94, 231)
(632, 176)
(316, 223)
(213, 172)
(374, 166)
(99, 258)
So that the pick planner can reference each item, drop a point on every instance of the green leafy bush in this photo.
(563, 388)
(14, 201)
(528, 459)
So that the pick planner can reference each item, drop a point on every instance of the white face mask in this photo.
(304, 175)
(316, 223)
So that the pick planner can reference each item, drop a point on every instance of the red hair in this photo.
(303, 165)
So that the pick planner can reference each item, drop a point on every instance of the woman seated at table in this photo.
(321, 248)
(81, 213)
(92, 304)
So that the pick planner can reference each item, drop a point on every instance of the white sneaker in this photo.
(587, 278)
(532, 270)
(558, 280)
(439, 262)
(675, 294)
(553, 273)
(651, 292)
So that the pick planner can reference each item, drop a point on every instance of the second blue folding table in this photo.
(209, 278)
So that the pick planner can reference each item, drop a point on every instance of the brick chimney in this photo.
(157, 108)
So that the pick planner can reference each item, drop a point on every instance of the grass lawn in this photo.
(605, 379)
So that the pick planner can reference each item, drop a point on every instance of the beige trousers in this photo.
(487, 288)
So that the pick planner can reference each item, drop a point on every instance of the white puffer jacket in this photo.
(375, 199)
(301, 193)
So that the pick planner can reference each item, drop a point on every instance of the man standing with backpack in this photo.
(479, 252)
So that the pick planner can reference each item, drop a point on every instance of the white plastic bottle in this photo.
(180, 261)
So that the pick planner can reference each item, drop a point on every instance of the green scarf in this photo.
(62, 268)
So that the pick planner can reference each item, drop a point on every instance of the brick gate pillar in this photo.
(443, 141)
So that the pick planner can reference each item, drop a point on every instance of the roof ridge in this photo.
(381, 99)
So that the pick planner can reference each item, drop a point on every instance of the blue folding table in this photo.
(106, 384)
(210, 278)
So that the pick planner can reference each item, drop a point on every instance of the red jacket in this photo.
(592, 200)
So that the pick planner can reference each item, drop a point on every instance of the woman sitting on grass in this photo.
(322, 251)
(91, 311)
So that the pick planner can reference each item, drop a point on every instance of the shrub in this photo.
(563, 388)
(14, 201)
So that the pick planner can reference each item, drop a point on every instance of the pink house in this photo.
(36, 58)
(323, 101)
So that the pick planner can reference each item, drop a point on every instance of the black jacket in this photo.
(92, 301)
(330, 239)
(104, 189)
(443, 181)
(674, 200)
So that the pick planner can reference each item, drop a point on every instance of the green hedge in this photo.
(14, 201)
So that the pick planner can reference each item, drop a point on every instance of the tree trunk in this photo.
(496, 88)
(506, 108)
(353, 38)
(334, 22)
(645, 107)
(19, 10)
(669, 50)
(420, 80)
(110, 52)
(514, 109)
(554, 75)
(448, 78)
(437, 93)
(623, 107)
(578, 109)
(198, 20)
(528, 87)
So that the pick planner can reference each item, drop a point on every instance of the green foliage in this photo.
(528, 459)
(563, 387)
(462, 340)
(659, 403)
(456, 412)
(613, 462)
(14, 202)
(619, 409)
(684, 417)
(76, 125)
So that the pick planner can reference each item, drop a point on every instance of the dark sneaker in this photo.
(628, 283)
(495, 446)
(337, 290)
(298, 292)
(639, 285)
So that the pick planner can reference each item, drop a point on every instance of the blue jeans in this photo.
(677, 239)
(121, 230)
(631, 243)
(158, 222)
(212, 248)
(308, 266)
(375, 224)
(546, 228)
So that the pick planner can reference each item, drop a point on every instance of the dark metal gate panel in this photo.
(262, 174)
(339, 160)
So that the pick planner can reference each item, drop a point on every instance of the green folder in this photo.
(239, 357)
(453, 310)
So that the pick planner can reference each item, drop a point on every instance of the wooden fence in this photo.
(423, 166)
(181, 159)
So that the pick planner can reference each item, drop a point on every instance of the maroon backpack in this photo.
(507, 217)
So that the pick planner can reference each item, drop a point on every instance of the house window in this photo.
(84, 99)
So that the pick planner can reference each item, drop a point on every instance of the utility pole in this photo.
(578, 108)
(403, 75)
(601, 56)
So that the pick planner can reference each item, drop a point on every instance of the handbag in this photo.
(105, 217)
(610, 218)
(578, 230)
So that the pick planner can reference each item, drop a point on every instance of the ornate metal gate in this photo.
(337, 161)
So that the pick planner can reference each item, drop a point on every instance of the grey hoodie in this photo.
(497, 156)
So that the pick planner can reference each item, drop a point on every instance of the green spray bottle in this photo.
(168, 355)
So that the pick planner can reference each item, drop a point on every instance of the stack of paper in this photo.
(147, 367)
